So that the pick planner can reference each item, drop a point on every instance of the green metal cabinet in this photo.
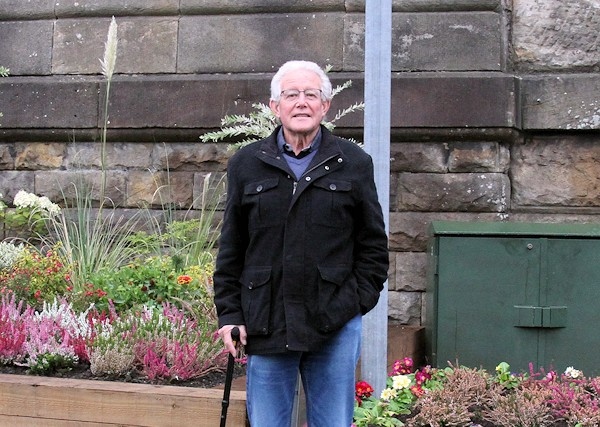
(514, 292)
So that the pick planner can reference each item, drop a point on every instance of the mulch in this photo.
(210, 380)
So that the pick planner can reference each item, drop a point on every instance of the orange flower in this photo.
(184, 279)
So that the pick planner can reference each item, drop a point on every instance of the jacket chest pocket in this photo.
(264, 203)
(332, 203)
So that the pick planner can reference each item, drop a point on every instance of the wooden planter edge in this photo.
(30, 400)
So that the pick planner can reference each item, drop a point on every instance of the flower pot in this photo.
(52, 402)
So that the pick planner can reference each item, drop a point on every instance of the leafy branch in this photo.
(261, 122)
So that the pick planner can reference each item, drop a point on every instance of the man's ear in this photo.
(325, 106)
(274, 105)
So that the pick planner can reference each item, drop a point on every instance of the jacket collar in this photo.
(328, 148)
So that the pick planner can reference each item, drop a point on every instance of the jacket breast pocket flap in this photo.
(259, 187)
(333, 185)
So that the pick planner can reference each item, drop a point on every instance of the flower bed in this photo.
(462, 396)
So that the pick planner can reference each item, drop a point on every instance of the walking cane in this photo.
(235, 336)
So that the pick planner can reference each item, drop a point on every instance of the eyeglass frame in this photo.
(283, 96)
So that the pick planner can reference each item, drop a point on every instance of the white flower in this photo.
(400, 381)
(389, 394)
(573, 373)
(48, 206)
(23, 199)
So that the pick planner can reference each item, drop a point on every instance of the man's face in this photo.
(303, 115)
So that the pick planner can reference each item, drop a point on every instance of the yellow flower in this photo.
(400, 381)
(389, 394)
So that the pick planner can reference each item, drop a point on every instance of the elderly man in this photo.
(302, 256)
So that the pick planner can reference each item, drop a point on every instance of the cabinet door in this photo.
(572, 280)
(481, 282)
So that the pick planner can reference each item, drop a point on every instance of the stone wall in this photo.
(495, 114)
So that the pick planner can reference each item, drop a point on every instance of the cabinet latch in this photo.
(527, 316)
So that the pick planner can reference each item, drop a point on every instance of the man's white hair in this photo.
(300, 65)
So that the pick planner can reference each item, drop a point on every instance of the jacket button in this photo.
(308, 178)
(332, 187)
(259, 188)
(326, 168)
(340, 160)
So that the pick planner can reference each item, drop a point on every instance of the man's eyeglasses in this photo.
(290, 95)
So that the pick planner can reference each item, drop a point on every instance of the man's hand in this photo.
(225, 334)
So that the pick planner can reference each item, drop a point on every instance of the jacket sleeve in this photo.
(230, 257)
(371, 258)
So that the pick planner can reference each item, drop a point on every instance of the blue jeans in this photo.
(327, 376)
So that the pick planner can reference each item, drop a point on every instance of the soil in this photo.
(212, 379)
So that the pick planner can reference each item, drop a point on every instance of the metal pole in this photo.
(378, 65)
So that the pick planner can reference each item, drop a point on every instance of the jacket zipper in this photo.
(310, 170)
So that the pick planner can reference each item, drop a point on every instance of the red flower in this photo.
(362, 390)
(417, 390)
(184, 279)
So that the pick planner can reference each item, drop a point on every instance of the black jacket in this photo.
(297, 260)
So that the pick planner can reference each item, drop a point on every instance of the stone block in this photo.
(30, 9)
(559, 171)
(56, 102)
(458, 41)
(70, 8)
(405, 307)
(7, 156)
(556, 34)
(87, 155)
(419, 157)
(470, 192)
(182, 101)
(26, 47)
(474, 156)
(160, 189)
(39, 156)
(193, 156)
(561, 101)
(439, 100)
(146, 45)
(190, 7)
(258, 43)
(410, 272)
(65, 186)
(11, 182)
